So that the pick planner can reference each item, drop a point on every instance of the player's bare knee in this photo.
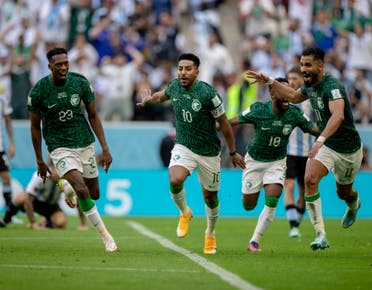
(249, 201)
(95, 195)
(346, 192)
(175, 181)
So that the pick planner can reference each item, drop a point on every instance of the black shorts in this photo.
(4, 162)
(296, 168)
(45, 209)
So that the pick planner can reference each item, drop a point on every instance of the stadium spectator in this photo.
(53, 21)
(197, 145)
(337, 149)
(216, 59)
(121, 75)
(80, 20)
(83, 57)
(72, 155)
(297, 153)
(20, 37)
(323, 31)
(265, 159)
(360, 93)
(257, 17)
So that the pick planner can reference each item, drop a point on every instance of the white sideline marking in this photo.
(63, 238)
(225, 275)
(93, 268)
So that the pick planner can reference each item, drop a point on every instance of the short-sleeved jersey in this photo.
(272, 130)
(46, 192)
(5, 110)
(346, 139)
(195, 111)
(63, 120)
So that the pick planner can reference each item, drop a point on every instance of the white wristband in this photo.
(270, 81)
(321, 139)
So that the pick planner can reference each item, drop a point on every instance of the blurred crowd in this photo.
(123, 46)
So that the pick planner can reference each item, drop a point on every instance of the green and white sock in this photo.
(314, 208)
(264, 221)
(90, 211)
(180, 201)
(212, 217)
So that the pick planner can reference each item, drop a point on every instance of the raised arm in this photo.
(284, 91)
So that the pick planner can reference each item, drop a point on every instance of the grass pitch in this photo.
(71, 259)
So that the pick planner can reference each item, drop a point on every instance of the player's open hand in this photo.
(105, 160)
(144, 96)
(43, 170)
(36, 226)
(255, 77)
(238, 160)
(315, 149)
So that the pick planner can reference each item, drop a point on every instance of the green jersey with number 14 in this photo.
(346, 139)
(195, 111)
(63, 120)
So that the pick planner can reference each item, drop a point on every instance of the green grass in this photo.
(71, 259)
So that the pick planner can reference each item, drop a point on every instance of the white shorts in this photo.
(345, 166)
(82, 159)
(257, 174)
(209, 168)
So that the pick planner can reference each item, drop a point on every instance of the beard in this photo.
(310, 79)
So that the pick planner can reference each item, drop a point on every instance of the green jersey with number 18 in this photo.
(195, 111)
(272, 130)
(63, 120)
(346, 139)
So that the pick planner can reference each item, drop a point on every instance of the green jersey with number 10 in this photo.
(195, 111)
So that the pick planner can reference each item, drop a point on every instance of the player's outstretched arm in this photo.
(285, 92)
(147, 98)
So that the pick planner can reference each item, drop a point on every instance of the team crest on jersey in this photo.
(287, 129)
(196, 105)
(75, 100)
(61, 164)
(61, 95)
(248, 185)
(320, 103)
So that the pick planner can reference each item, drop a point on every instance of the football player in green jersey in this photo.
(338, 147)
(265, 159)
(55, 101)
(196, 106)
